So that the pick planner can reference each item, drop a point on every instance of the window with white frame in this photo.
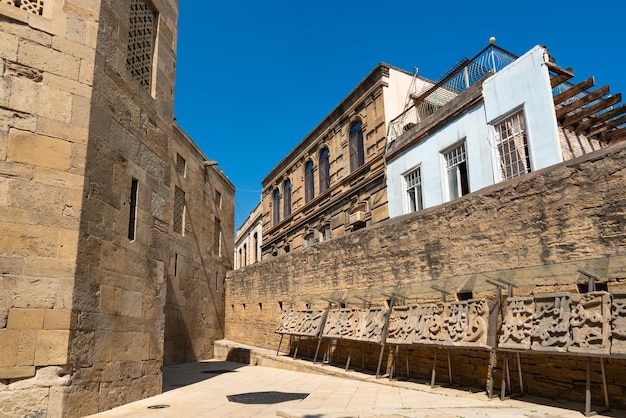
(309, 239)
(512, 143)
(456, 172)
(325, 233)
(413, 182)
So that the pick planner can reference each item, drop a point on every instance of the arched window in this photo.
(256, 247)
(357, 158)
(309, 185)
(287, 198)
(276, 208)
(324, 170)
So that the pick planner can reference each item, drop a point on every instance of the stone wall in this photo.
(536, 230)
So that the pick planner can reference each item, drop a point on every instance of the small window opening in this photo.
(132, 217)
(465, 295)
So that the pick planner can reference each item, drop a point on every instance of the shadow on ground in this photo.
(180, 375)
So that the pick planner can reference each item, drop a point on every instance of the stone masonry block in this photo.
(24, 95)
(55, 104)
(18, 372)
(26, 348)
(9, 43)
(39, 150)
(8, 349)
(132, 304)
(58, 319)
(51, 347)
(109, 300)
(49, 267)
(20, 318)
(48, 60)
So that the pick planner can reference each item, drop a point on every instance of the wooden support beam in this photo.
(616, 135)
(603, 104)
(559, 70)
(593, 123)
(560, 78)
(615, 123)
(581, 101)
(574, 90)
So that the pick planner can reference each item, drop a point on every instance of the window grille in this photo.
(456, 165)
(141, 41)
(513, 146)
(179, 210)
(217, 238)
(413, 182)
(31, 6)
(180, 165)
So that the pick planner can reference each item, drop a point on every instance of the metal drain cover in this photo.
(266, 397)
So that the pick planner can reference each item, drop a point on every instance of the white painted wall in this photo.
(523, 84)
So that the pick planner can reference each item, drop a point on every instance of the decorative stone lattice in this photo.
(342, 323)
(141, 40)
(432, 325)
(306, 323)
(517, 324)
(402, 324)
(551, 327)
(618, 323)
(31, 6)
(590, 323)
(372, 324)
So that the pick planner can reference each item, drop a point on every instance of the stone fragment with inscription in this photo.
(618, 323)
(432, 324)
(517, 324)
(551, 328)
(403, 322)
(590, 323)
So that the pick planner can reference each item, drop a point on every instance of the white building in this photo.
(249, 239)
(478, 127)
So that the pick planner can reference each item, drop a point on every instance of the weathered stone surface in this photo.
(38, 150)
(590, 323)
(517, 324)
(20, 318)
(51, 347)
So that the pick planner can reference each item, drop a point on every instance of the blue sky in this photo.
(254, 78)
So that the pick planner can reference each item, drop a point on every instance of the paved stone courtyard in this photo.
(203, 389)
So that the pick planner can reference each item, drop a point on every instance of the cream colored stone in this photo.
(68, 85)
(45, 377)
(72, 48)
(109, 300)
(17, 372)
(24, 32)
(39, 150)
(59, 129)
(86, 72)
(49, 267)
(59, 319)
(81, 110)
(8, 349)
(51, 348)
(55, 104)
(8, 46)
(9, 169)
(48, 60)
(58, 178)
(26, 349)
(20, 318)
(68, 244)
(132, 304)
(24, 95)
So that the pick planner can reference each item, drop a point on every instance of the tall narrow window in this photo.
(132, 217)
(245, 255)
(357, 158)
(181, 166)
(217, 238)
(309, 184)
(512, 146)
(324, 170)
(287, 198)
(179, 211)
(456, 171)
(256, 247)
(141, 41)
(413, 182)
(276, 206)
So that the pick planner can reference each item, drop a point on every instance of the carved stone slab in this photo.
(517, 324)
(551, 328)
(477, 323)
(307, 323)
(432, 324)
(403, 321)
(618, 323)
(590, 323)
(456, 322)
(342, 323)
(372, 324)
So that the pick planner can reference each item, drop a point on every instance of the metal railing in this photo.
(458, 79)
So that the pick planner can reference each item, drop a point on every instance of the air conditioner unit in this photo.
(358, 216)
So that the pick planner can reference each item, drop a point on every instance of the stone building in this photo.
(249, 239)
(333, 182)
(493, 118)
(116, 230)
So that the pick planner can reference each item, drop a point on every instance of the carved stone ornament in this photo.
(618, 323)
(590, 323)
(342, 323)
(287, 323)
(432, 325)
(372, 324)
(478, 323)
(456, 322)
(517, 324)
(402, 324)
(306, 323)
(551, 328)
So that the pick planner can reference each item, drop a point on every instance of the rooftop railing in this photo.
(459, 78)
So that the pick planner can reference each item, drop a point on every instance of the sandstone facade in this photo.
(109, 214)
